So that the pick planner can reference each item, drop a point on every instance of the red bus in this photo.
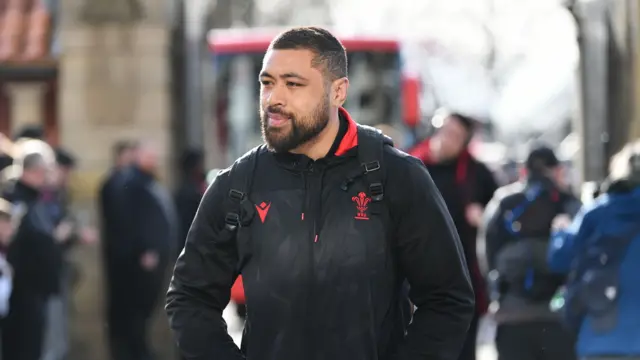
(378, 94)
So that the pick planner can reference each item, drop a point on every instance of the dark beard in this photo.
(302, 130)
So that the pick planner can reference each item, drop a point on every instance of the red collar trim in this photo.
(350, 139)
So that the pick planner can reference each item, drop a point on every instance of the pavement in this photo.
(486, 350)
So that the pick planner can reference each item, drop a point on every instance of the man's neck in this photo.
(321, 144)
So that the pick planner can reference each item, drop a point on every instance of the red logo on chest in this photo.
(263, 210)
(362, 204)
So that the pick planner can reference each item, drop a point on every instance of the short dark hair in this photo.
(191, 158)
(540, 158)
(30, 132)
(329, 51)
(467, 122)
(65, 158)
(122, 146)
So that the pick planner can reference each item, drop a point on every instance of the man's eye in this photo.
(265, 82)
(292, 84)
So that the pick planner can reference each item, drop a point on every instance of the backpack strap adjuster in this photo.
(232, 221)
(236, 195)
(377, 191)
(371, 166)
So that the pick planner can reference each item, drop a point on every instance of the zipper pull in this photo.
(345, 184)
(316, 239)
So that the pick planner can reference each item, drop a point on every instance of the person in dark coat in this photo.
(151, 231)
(36, 257)
(467, 186)
(190, 192)
(115, 248)
(335, 224)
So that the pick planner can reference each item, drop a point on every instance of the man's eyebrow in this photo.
(293, 75)
(288, 75)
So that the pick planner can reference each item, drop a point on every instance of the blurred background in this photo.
(182, 74)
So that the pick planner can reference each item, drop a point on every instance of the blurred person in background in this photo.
(115, 249)
(8, 222)
(151, 232)
(6, 152)
(56, 198)
(34, 254)
(30, 131)
(601, 252)
(466, 185)
(515, 233)
(189, 194)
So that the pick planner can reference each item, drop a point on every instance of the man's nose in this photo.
(276, 96)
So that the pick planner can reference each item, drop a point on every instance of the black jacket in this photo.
(113, 213)
(34, 253)
(321, 283)
(151, 219)
(464, 181)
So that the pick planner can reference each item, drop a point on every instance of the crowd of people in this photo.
(141, 224)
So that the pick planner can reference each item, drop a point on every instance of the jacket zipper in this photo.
(313, 199)
(308, 176)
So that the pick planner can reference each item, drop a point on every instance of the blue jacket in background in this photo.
(611, 214)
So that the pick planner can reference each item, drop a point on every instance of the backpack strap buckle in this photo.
(371, 166)
(236, 195)
(377, 191)
(232, 221)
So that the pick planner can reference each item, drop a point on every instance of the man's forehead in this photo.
(278, 62)
(453, 123)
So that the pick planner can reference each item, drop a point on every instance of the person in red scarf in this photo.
(466, 185)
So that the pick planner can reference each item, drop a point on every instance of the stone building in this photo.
(92, 72)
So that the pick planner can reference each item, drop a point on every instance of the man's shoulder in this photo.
(243, 164)
(255, 154)
(405, 173)
(400, 160)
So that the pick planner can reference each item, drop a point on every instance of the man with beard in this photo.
(335, 224)
(467, 186)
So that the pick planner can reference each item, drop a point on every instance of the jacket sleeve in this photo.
(201, 283)
(566, 244)
(431, 258)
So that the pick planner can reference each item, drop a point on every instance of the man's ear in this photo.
(339, 90)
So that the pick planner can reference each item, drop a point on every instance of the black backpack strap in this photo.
(371, 143)
(241, 176)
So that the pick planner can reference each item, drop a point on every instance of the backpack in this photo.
(594, 283)
(522, 262)
(241, 210)
(371, 143)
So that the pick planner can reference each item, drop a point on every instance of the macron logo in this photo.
(263, 210)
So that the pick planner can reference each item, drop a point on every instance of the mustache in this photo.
(277, 110)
